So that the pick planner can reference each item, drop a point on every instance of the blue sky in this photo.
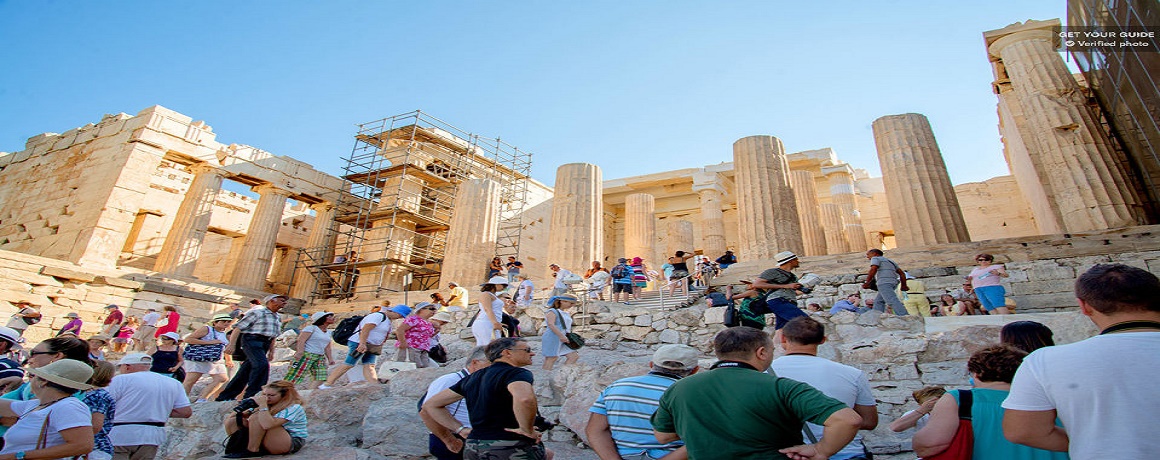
(635, 87)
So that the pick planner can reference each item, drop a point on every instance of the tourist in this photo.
(73, 326)
(513, 269)
(54, 424)
(813, 308)
(495, 268)
(968, 301)
(510, 324)
(597, 278)
(414, 336)
(46, 352)
(254, 334)
(103, 409)
(366, 344)
(11, 374)
(886, 276)
(145, 333)
(563, 280)
(869, 303)
(914, 297)
(203, 356)
(97, 344)
(166, 354)
(437, 299)
(312, 354)
(113, 321)
(618, 422)
(800, 339)
(985, 279)
(679, 276)
(170, 322)
(640, 277)
(1026, 335)
(726, 260)
(918, 418)
(276, 426)
(737, 411)
(442, 443)
(945, 307)
(557, 323)
(991, 370)
(349, 272)
(784, 287)
(25, 316)
(1097, 387)
(752, 309)
(524, 290)
(457, 299)
(501, 403)
(145, 401)
(236, 311)
(487, 323)
(852, 302)
(621, 280)
(124, 336)
(294, 322)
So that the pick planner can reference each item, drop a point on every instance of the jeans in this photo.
(783, 311)
(887, 296)
(439, 450)
(254, 371)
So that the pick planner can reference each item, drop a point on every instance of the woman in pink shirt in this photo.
(172, 319)
(414, 336)
(985, 279)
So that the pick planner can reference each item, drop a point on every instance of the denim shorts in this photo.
(351, 360)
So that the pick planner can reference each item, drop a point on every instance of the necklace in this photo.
(1130, 326)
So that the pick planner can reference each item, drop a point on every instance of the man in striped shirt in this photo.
(618, 423)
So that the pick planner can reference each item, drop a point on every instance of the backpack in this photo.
(620, 271)
(346, 328)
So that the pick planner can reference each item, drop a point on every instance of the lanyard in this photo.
(1130, 325)
(722, 364)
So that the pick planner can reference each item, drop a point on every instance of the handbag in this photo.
(203, 353)
(374, 349)
(963, 444)
(438, 354)
(574, 340)
(731, 317)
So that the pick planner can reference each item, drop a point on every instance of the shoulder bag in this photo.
(963, 444)
(203, 353)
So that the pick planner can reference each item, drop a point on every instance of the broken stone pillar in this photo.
(640, 228)
(834, 229)
(1087, 180)
(258, 246)
(678, 237)
(922, 202)
(767, 213)
(577, 231)
(806, 194)
(474, 230)
(842, 193)
(182, 245)
(708, 187)
(320, 248)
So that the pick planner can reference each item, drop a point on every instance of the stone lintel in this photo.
(63, 273)
(841, 168)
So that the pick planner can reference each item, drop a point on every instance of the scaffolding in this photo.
(392, 221)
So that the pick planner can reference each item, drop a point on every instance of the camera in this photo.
(245, 405)
(805, 290)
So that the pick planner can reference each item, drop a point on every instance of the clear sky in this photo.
(633, 86)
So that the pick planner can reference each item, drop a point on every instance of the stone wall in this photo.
(995, 208)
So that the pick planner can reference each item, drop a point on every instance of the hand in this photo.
(362, 348)
(795, 286)
(865, 285)
(497, 326)
(173, 369)
(928, 406)
(904, 287)
(454, 444)
(803, 452)
(533, 434)
(260, 398)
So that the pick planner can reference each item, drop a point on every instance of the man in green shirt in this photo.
(736, 411)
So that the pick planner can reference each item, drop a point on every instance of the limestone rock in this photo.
(670, 336)
(635, 333)
(392, 427)
(715, 315)
(643, 320)
(686, 317)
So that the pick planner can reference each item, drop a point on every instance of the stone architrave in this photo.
(842, 193)
(678, 237)
(322, 250)
(710, 191)
(806, 194)
(183, 243)
(1087, 179)
(834, 229)
(640, 228)
(919, 194)
(576, 235)
(253, 262)
(474, 230)
(767, 211)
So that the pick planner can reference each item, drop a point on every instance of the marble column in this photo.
(842, 193)
(577, 229)
(767, 211)
(922, 202)
(474, 230)
(319, 245)
(708, 187)
(640, 227)
(1018, 145)
(834, 229)
(1090, 182)
(258, 247)
(182, 245)
(678, 237)
(806, 193)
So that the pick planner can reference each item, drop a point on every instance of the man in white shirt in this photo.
(144, 336)
(144, 401)
(800, 338)
(365, 345)
(560, 287)
(1102, 389)
(442, 443)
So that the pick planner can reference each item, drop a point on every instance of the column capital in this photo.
(264, 189)
(841, 168)
(204, 167)
(703, 180)
(324, 206)
(999, 39)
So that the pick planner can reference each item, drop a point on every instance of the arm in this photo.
(1035, 429)
(1002, 271)
(870, 275)
(181, 412)
(98, 421)
(300, 345)
(263, 416)
(6, 408)
(759, 283)
(666, 437)
(550, 320)
(436, 408)
(180, 360)
(329, 354)
(524, 407)
(195, 337)
(401, 334)
(840, 428)
(869, 416)
(936, 436)
(77, 441)
(233, 345)
(910, 419)
(600, 437)
(901, 279)
(444, 434)
(485, 312)
(363, 334)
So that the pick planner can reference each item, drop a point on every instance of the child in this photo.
(167, 354)
(97, 344)
(125, 334)
(926, 398)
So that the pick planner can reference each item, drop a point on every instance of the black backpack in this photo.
(619, 271)
(346, 328)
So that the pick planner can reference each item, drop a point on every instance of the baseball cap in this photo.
(401, 309)
(272, 297)
(136, 358)
(676, 356)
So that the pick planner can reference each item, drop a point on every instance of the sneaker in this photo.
(324, 387)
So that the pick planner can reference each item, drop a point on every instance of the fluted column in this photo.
(1018, 145)
(258, 247)
(922, 202)
(1090, 182)
(474, 230)
(709, 189)
(767, 212)
(182, 245)
(577, 231)
(322, 250)
(640, 228)
(678, 237)
(842, 193)
(806, 194)
(834, 229)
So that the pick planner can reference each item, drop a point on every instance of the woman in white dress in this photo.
(488, 325)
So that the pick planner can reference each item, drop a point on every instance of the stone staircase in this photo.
(653, 300)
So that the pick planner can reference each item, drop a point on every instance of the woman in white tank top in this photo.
(487, 325)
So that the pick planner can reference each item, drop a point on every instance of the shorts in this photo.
(622, 287)
(309, 364)
(640, 283)
(296, 444)
(365, 358)
(992, 297)
(783, 311)
(502, 449)
(205, 367)
(678, 274)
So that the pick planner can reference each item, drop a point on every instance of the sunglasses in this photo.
(527, 349)
(34, 353)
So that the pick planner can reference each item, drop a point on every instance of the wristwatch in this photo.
(461, 428)
(20, 455)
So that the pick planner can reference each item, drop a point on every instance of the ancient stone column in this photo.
(678, 237)
(577, 231)
(258, 247)
(1089, 181)
(474, 229)
(640, 228)
(806, 194)
(321, 250)
(834, 229)
(842, 193)
(708, 187)
(767, 212)
(182, 245)
(922, 201)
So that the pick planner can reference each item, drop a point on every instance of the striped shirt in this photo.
(629, 404)
(295, 417)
